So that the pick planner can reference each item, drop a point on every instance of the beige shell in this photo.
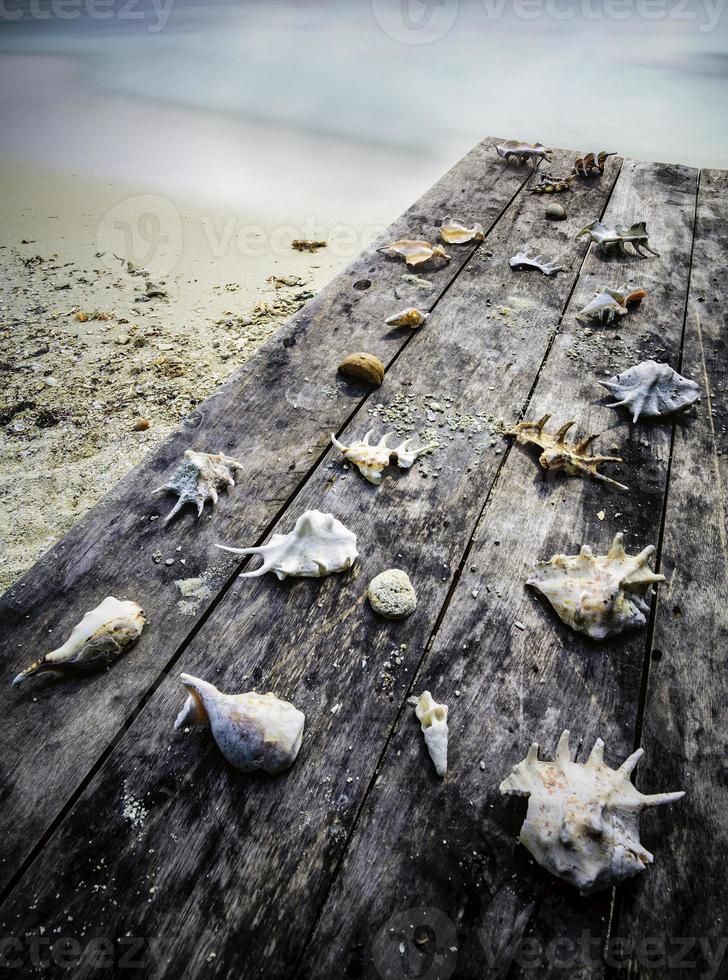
(371, 460)
(454, 232)
(591, 164)
(318, 545)
(365, 367)
(102, 635)
(253, 731)
(415, 252)
(599, 595)
(557, 454)
(433, 721)
(582, 823)
(609, 303)
(198, 478)
(408, 318)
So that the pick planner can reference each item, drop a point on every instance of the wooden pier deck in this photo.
(128, 848)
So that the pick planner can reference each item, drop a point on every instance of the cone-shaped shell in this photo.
(582, 823)
(253, 731)
(102, 635)
(433, 720)
(410, 317)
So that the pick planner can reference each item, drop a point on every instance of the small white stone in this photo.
(392, 595)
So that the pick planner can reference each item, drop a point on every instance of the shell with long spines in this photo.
(609, 303)
(415, 252)
(318, 545)
(433, 721)
(410, 317)
(371, 460)
(611, 238)
(557, 454)
(521, 152)
(103, 634)
(253, 731)
(527, 260)
(591, 164)
(454, 232)
(652, 389)
(582, 822)
(551, 184)
(198, 478)
(598, 595)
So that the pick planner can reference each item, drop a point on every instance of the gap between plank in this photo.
(448, 597)
(165, 670)
(613, 973)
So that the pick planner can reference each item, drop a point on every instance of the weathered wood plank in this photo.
(276, 418)
(512, 673)
(241, 865)
(673, 921)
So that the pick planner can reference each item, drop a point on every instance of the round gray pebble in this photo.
(392, 595)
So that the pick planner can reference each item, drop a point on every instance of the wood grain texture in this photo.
(512, 673)
(241, 865)
(275, 417)
(674, 922)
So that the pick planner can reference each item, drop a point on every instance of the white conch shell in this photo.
(600, 595)
(521, 152)
(414, 252)
(525, 260)
(433, 719)
(101, 636)
(454, 232)
(318, 545)
(652, 389)
(608, 303)
(198, 478)
(253, 731)
(371, 460)
(618, 237)
(582, 823)
(408, 318)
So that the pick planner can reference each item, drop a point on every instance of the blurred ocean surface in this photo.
(346, 110)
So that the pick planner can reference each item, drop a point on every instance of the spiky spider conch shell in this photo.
(318, 545)
(102, 635)
(582, 822)
(410, 317)
(371, 460)
(415, 252)
(454, 232)
(253, 731)
(610, 238)
(609, 303)
(520, 152)
(598, 595)
(433, 721)
(198, 478)
(652, 389)
(591, 164)
(526, 260)
(557, 454)
(551, 184)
